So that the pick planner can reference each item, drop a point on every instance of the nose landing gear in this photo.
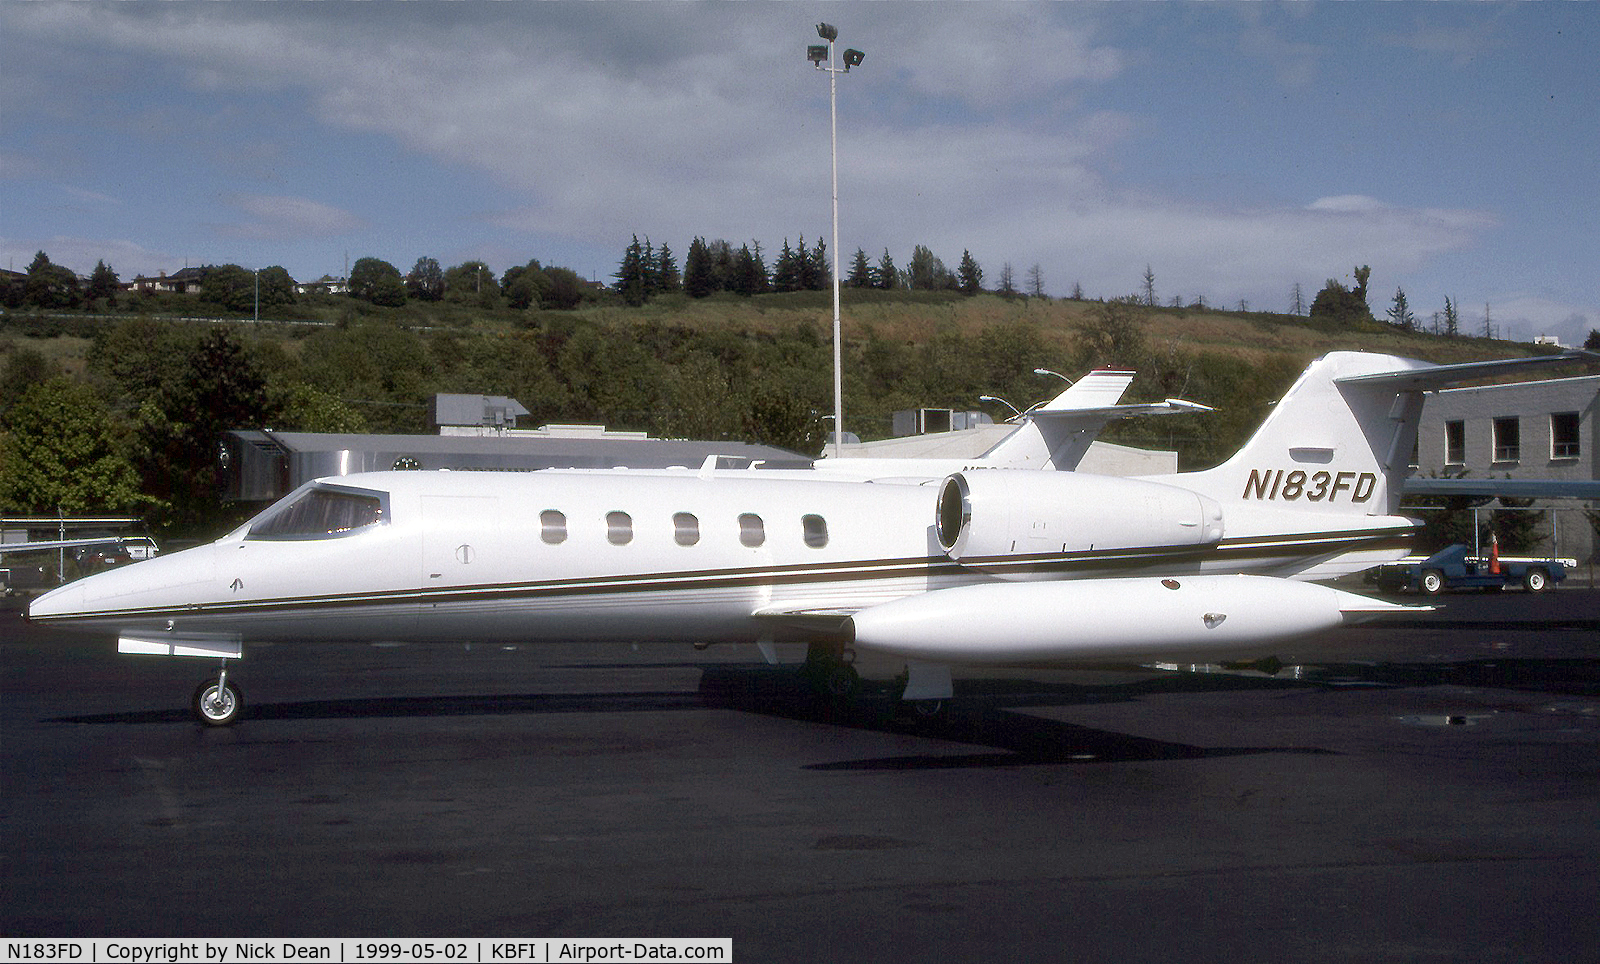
(218, 702)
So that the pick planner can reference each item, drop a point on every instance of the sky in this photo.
(1233, 150)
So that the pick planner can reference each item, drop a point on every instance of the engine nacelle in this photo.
(1001, 513)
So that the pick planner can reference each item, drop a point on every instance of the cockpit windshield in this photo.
(321, 513)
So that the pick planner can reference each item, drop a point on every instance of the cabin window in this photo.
(1564, 442)
(752, 531)
(816, 530)
(553, 527)
(1455, 443)
(1507, 440)
(320, 513)
(685, 528)
(619, 528)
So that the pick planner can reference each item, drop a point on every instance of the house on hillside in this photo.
(182, 282)
(325, 285)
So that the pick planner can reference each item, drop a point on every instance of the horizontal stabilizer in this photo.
(1437, 376)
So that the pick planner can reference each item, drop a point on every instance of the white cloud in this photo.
(127, 258)
(279, 218)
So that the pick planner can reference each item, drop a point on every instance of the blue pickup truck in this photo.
(1453, 568)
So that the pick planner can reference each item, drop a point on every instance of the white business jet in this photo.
(987, 567)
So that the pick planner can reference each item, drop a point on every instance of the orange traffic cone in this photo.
(1494, 555)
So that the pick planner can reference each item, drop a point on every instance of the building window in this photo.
(1455, 443)
(619, 528)
(752, 531)
(1564, 436)
(552, 527)
(816, 529)
(685, 528)
(1507, 440)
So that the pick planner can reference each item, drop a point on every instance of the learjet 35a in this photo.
(988, 566)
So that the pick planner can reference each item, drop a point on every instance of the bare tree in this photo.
(1036, 281)
(1298, 305)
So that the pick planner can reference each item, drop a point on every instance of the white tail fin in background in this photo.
(1056, 434)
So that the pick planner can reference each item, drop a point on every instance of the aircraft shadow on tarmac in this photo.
(980, 714)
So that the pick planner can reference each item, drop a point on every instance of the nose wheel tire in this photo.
(217, 705)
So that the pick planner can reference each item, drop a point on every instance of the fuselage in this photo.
(570, 556)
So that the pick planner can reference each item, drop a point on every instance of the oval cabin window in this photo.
(685, 528)
(553, 527)
(752, 531)
(619, 528)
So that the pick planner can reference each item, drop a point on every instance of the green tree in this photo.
(377, 281)
(1400, 314)
(229, 287)
(971, 275)
(50, 285)
(1338, 304)
(277, 287)
(220, 388)
(302, 408)
(633, 275)
(699, 274)
(525, 286)
(888, 278)
(60, 453)
(860, 271)
(472, 283)
(426, 280)
(104, 285)
(566, 289)
(1452, 320)
(1113, 339)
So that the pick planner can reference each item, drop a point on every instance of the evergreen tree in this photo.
(104, 284)
(819, 275)
(860, 271)
(1401, 314)
(1452, 321)
(886, 277)
(699, 278)
(631, 277)
(786, 275)
(970, 274)
(667, 270)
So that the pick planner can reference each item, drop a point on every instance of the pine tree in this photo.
(886, 277)
(631, 278)
(786, 275)
(861, 271)
(971, 276)
(1452, 321)
(1401, 314)
(699, 279)
(818, 273)
(667, 270)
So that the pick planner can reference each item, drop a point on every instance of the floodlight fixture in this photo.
(1046, 371)
(821, 57)
(997, 398)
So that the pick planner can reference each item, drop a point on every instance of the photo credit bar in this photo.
(571, 950)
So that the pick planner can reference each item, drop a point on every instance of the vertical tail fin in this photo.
(1339, 441)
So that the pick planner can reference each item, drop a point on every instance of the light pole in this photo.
(817, 54)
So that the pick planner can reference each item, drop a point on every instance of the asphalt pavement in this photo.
(1424, 790)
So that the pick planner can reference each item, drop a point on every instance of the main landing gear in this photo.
(829, 670)
(218, 702)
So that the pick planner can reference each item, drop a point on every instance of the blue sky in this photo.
(1234, 149)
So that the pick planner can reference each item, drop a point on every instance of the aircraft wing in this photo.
(57, 544)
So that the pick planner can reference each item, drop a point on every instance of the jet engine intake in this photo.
(1000, 513)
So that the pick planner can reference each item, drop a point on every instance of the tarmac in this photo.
(1413, 791)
